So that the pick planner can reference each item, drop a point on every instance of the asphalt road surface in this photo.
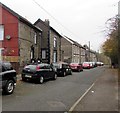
(58, 95)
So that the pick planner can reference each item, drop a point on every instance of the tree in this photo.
(110, 46)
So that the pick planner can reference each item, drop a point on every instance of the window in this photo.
(55, 56)
(8, 66)
(3, 69)
(35, 38)
(31, 55)
(1, 32)
(55, 42)
(32, 52)
(43, 54)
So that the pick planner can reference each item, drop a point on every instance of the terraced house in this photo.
(72, 50)
(20, 40)
(90, 55)
(51, 42)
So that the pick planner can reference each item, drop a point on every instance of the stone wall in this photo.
(26, 41)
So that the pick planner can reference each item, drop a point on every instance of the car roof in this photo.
(74, 63)
(1, 62)
(38, 64)
(60, 62)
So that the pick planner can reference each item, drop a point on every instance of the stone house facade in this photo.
(93, 56)
(51, 42)
(83, 54)
(29, 43)
(66, 47)
(20, 40)
(72, 50)
(90, 55)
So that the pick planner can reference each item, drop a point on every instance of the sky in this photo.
(80, 20)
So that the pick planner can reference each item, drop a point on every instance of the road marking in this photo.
(76, 103)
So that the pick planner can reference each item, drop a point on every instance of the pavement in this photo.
(19, 77)
(102, 96)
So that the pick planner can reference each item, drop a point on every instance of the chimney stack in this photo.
(47, 22)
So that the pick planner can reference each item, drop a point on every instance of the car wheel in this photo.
(24, 79)
(64, 74)
(78, 70)
(55, 77)
(9, 87)
(70, 72)
(41, 80)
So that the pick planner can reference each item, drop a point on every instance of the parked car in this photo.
(38, 72)
(100, 63)
(86, 65)
(94, 64)
(62, 68)
(91, 64)
(76, 67)
(8, 77)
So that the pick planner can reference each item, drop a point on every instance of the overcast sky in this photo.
(80, 20)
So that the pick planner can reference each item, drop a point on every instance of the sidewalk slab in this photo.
(104, 94)
(19, 77)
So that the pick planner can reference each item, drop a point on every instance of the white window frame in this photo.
(1, 32)
(31, 55)
(55, 56)
(43, 54)
(55, 42)
(35, 38)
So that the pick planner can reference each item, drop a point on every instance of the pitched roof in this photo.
(39, 20)
(55, 31)
(74, 42)
(22, 19)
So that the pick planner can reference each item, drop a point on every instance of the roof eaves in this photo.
(55, 31)
(19, 17)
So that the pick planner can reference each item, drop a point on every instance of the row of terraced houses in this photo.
(21, 41)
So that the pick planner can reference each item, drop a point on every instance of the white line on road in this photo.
(76, 103)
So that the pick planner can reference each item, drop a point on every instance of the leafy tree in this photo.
(110, 46)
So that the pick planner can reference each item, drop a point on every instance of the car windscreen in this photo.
(56, 65)
(31, 67)
(7, 66)
(74, 64)
(65, 66)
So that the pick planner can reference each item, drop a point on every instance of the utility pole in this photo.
(119, 33)
(119, 43)
(89, 51)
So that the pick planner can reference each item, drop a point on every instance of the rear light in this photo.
(26, 66)
(75, 67)
(37, 68)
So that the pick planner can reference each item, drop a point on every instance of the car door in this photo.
(50, 72)
(45, 71)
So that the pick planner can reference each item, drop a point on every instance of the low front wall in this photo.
(10, 58)
(14, 60)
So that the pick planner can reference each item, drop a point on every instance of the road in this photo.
(58, 95)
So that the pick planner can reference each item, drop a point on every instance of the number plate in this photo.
(28, 76)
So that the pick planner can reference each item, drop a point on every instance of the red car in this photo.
(76, 67)
(86, 65)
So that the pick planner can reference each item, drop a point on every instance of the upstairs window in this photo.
(1, 32)
(35, 38)
(55, 42)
